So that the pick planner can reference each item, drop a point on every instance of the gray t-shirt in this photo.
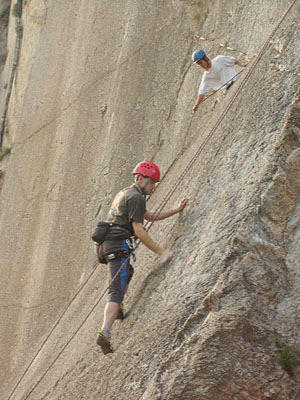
(128, 205)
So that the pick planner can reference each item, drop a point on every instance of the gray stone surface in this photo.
(101, 86)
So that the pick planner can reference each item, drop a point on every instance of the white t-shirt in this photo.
(221, 71)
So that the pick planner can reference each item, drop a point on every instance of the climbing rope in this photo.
(221, 87)
(157, 211)
(214, 128)
(206, 98)
(54, 326)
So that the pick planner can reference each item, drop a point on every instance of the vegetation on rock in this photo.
(17, 9)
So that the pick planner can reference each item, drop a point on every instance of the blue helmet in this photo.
(198, 55)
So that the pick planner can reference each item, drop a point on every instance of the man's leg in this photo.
(120, 279)
(111, 312)
(116, 293)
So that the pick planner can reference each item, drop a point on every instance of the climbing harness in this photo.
(123, 253)
(116, 255)
(155, 214)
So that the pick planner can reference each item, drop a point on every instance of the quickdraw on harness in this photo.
(132, 246)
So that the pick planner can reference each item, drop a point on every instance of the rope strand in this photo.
(162, 204)
(52, 329)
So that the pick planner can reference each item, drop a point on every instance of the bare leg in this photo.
(110, 314)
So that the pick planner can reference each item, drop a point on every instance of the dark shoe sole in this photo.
(104, 344)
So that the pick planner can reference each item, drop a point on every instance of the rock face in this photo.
(100, 86)
(4, 16)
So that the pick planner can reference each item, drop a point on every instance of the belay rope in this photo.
(214, 128)
(155, 214)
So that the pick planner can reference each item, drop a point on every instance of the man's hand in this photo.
(199, 100)
(240, 63)
(182, 204)
(166, 256)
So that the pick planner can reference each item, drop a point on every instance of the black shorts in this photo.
(117, 287)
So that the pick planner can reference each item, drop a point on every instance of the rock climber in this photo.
(218, 71)
(127, 215)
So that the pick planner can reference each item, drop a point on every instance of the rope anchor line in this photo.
(156, 213)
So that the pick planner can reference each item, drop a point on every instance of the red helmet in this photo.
(147, 168)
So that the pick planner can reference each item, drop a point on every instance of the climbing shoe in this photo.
(104, 343)
(121, 312)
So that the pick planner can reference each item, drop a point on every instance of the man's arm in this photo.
(199, 100)
(151, 216)
(139, 231)
(144, 237)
